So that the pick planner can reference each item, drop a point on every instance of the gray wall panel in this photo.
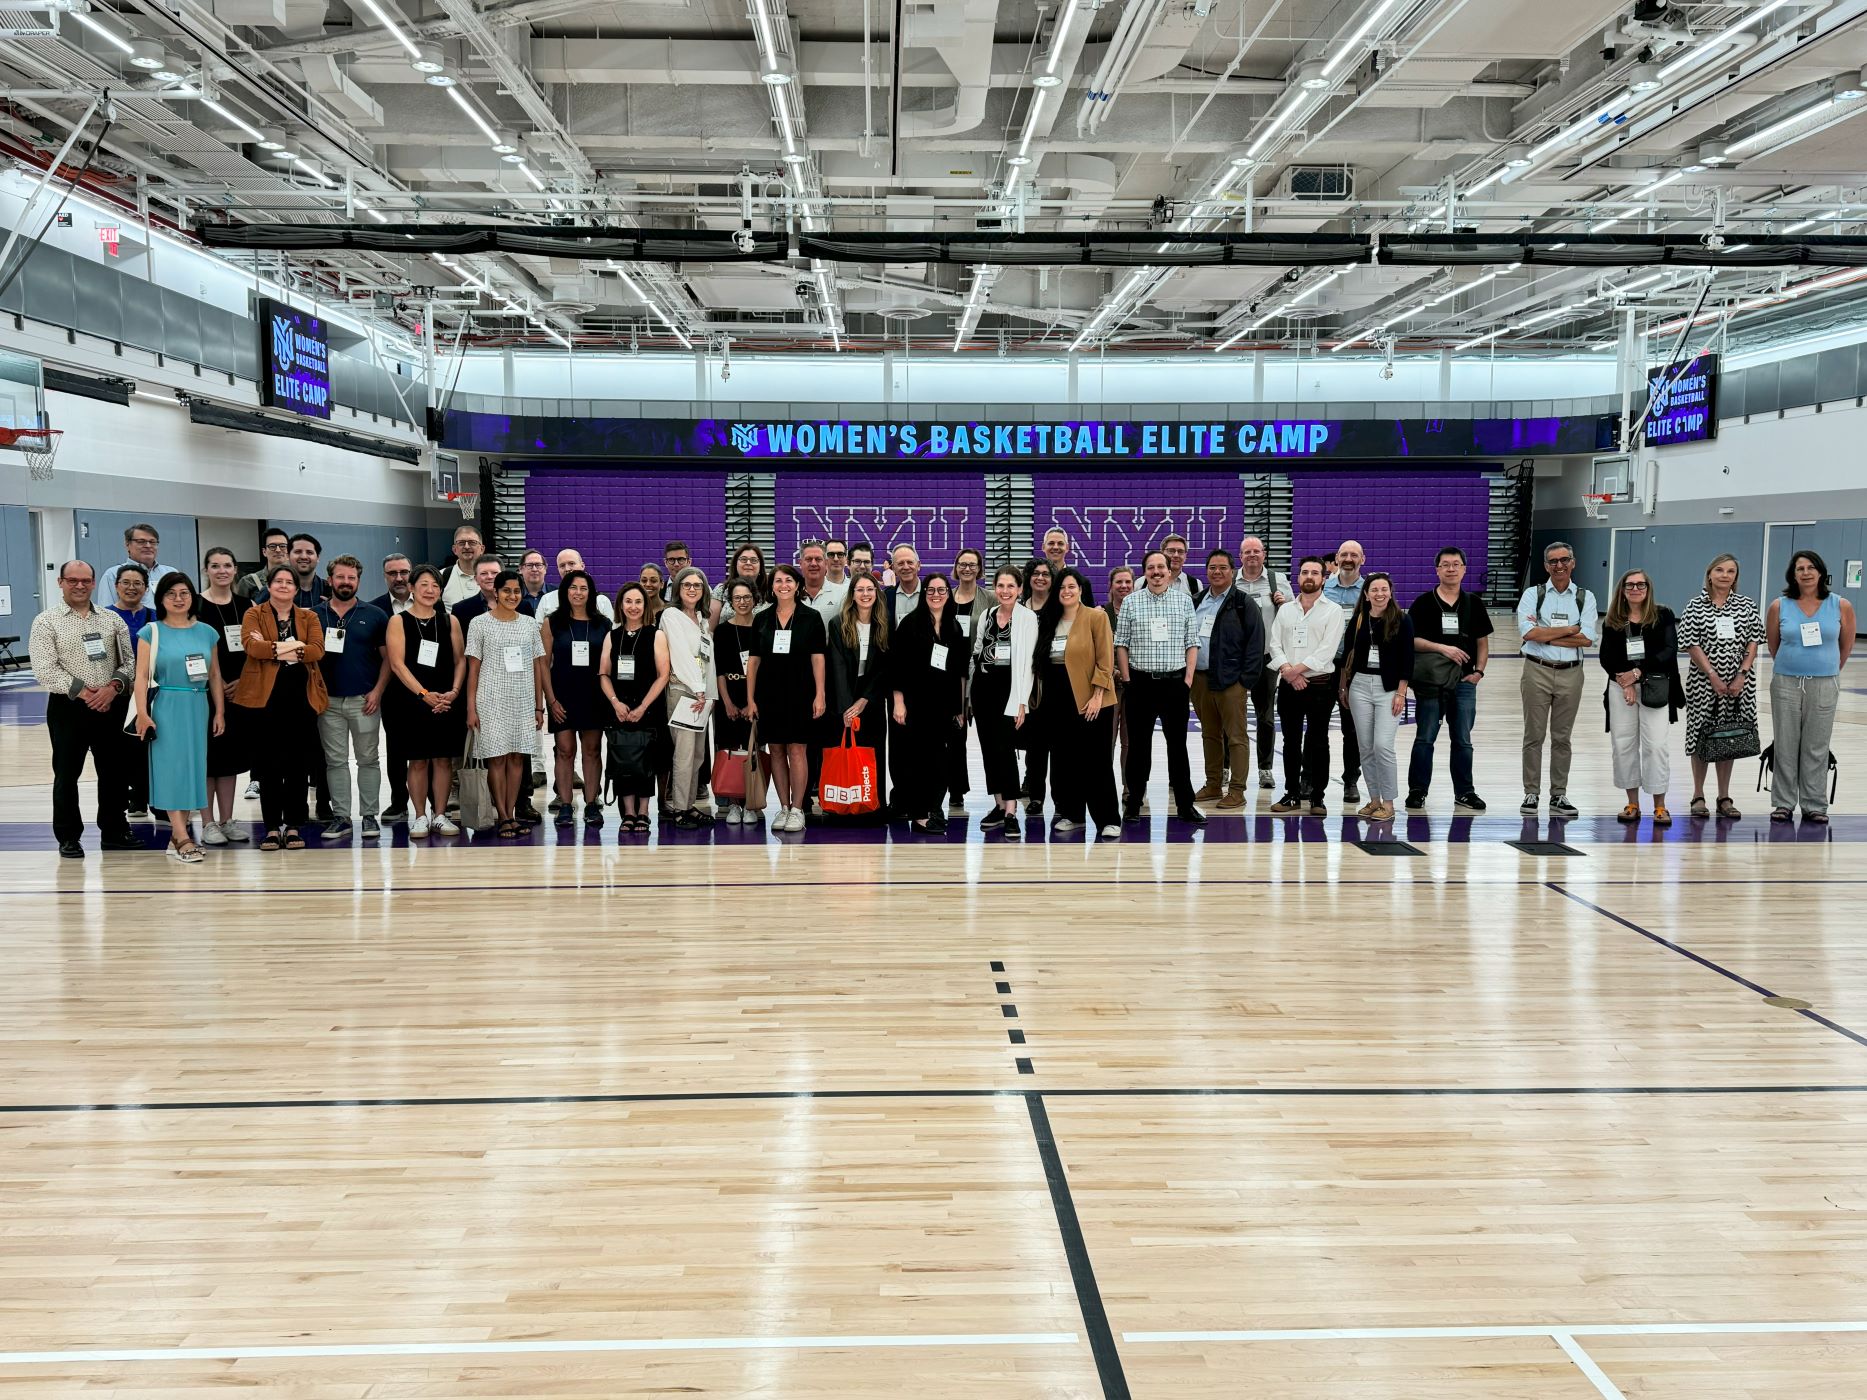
(142, 316)
(51, 288)
(100, 299)
(181, 326)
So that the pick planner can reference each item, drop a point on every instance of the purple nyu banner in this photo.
(935, 512)
(1399, 518)
(1116, 518)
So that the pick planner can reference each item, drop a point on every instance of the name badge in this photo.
(862, 652)
(197, 666)
(1057, 647)
(965, 625)
(1811, 634)
(515, 658)
(334, 642)
(1374, 656)
(235, 642)
(705, 653)
(579, 652)
(1001, 653)
(780, 643)
(93, 647)
(625, 668)
(745, 659)
(1559, 618)
(1205, 628)
(937, 659)
(1300, 637)
(1724, 628)
(1160, 629)
(427, 653)
(1636, 648)
(1449, 623)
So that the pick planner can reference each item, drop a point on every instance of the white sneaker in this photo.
(737, 815)
(234, 832)
(797, 819)
(444, 825)
(418, 829)
(212, 835)
(252, 790)
(1064, 824)
(1112, 832)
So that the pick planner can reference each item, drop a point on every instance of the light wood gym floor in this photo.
(1256, 1115)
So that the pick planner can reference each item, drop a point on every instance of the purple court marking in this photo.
(936, 512)
(22, 706)
(1117, 517)
(1703, 961)
(1844, 828)
(619, 519)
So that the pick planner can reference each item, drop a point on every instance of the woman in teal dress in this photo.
(179, 702)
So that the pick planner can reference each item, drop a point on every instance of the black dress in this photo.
(226, 751)
(928, 669)
(849, 676)
(991, 692)
(787, 684)
(732, 647)
(416, 733)
(637, 648)
(576, 687)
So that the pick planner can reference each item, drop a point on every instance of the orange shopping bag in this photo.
(852, 779)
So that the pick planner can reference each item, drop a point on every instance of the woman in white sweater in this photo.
(1002, 644)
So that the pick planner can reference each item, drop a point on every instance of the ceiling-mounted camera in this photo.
(744, 241)
(806, 293)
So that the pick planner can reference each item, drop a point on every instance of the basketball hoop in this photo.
(1595, 503)
(38, 445)
(468, 501)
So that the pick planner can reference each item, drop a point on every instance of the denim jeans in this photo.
(1429, 709)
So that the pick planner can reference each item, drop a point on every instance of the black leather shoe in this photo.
(1131, 813)
(71, 850)
(123, 841)
(1192, 816)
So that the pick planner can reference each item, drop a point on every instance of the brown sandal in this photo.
(1727, 809)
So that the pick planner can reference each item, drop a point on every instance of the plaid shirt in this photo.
(1148, 649)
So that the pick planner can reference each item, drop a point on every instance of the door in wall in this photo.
(19, 575)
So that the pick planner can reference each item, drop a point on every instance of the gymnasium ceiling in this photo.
(910, 116)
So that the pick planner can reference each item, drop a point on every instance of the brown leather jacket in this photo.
(259, 630)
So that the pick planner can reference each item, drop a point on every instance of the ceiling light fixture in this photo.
(1017, 158)
(1643, 78)
(531, 175)
(648, 301)
(1353, 46)
(459, 99)
(1776, 128)
(271, 139)
(1713, 153)
(1517, 157)
(1850, 88)
(1046, 80)
(258, 136)
(104, 32)
(1057, 37)
(1717, 41)
(147, 54)
(507, 146)
(388, 22)
(775, 73)
(1310, 77)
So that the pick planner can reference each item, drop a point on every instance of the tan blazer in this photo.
(259, 630)
(1089, 657)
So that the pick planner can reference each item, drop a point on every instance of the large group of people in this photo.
(287, 674)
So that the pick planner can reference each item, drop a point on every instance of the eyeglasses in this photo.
(143, 539)
(397, 573)
(1560, 559)
(835, 554)
(1636, 588)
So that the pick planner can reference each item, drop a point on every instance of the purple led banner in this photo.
(936, 512)
(1116, 518)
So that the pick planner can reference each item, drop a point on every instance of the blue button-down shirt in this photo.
(1152, 648)
(1345, 596)
(1207, 614)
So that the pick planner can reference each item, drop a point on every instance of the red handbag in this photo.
(852, 780)
(729, 774)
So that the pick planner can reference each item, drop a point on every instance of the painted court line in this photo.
(1586, 1364)
(958, 1339)
(1598, 1329)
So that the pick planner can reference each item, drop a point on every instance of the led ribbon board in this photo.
(1685, 403)
(295, 360)
(1089, 442)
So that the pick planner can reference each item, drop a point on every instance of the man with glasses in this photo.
(861, 559)
(457, 581)
(81, 654)
(140, 543)
(396, 572)
(675, 556)
(1558, 620)
(836, 559)
(275, 545)
(1156, 653)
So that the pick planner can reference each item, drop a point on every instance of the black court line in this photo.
(1705, 962)
(1076, 1250)
(1388, 1091)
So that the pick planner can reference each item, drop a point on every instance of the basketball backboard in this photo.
(22, 390)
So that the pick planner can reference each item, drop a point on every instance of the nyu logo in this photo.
(936, 533)
(745, 436)
(1104, 536)
(282, 343)
(1663, 396)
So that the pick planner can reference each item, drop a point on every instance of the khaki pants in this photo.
(1224, 730)
(1550, 700)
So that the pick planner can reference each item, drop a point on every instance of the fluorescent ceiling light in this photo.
(1777, 128)
(1719, 40)
(531, 175)
(1056, 39)
(1594, 119)
(1353, 45)
(388, 22)
(244, 125)
(486, 128)
(650, 303)
(104, 32)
